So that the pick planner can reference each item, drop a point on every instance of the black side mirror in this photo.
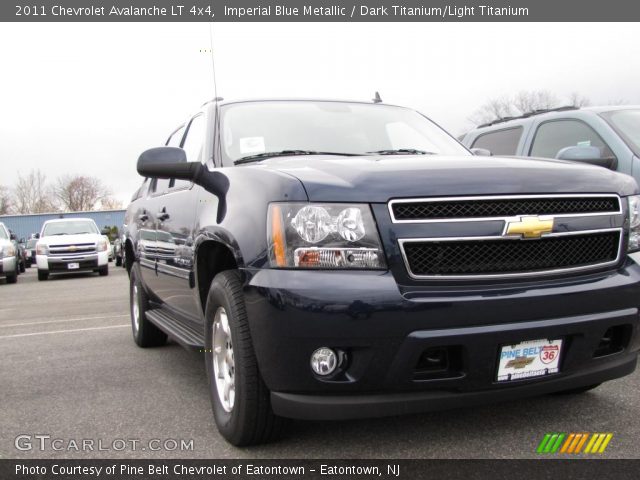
(168, 162)
(13, 236)
(481, 152)
(587, 154)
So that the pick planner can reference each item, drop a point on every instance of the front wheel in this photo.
(145, 333)
(42, 275)
(239, 398)
(104, 271)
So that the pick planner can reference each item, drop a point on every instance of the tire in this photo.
(246, 417)
(118, 261)
(43, 275)
(13, 277)
(22, 267)
(145, 333)
(104, 271)
(576, 391)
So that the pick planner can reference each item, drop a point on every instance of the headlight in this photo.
(312, 235)
(8, 251)
(634, 223)
(42, 249)
(102, 245)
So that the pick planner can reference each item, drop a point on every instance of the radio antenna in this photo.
(213, 64)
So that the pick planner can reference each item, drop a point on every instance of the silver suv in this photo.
(8, 257)
(604, 136)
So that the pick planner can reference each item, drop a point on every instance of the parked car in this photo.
(339, 260)
(9, 268)
(30, 248)
(118, 252)
(21, 254)
(71, 245)
(604, 136)
(109, 248)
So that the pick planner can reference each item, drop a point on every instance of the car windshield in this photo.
(258, 129)
(627, 124)
(72, 227)
(3, 233)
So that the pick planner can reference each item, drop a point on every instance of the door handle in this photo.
(143, 217)
(162, 214)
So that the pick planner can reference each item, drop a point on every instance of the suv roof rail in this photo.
(529, 114)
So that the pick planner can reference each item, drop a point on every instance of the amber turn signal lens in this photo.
(277, 236)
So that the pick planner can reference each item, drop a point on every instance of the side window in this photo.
(551, 137)
(176, 138)
(141, 190)
(195, 137)
(159, 186)
(500, 142)
(192, 145)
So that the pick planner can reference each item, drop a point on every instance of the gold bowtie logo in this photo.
(529, 227)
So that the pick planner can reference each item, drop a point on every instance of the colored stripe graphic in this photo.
(573, 443)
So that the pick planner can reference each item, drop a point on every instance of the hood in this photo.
(377, 179)
(70, 239)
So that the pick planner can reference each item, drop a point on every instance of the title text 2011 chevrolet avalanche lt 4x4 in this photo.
(340, 259)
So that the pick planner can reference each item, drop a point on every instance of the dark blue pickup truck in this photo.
(338, 260)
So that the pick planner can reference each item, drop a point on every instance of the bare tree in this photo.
(110, 203)
(577, 100)
(522, 103)
(79, 193)
(32, 194)
(5, 200)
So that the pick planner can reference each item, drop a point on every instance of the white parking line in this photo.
(62, 331)
(81, 319)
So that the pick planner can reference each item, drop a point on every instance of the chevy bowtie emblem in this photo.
(73, 248)
(529, 227)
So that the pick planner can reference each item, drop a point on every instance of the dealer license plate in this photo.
(73, 266)
(533, 358)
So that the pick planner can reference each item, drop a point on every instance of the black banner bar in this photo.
(317, 469)
(319, 11)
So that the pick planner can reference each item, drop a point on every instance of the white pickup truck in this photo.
(70, 245)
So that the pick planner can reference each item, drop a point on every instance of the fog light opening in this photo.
(324, 361)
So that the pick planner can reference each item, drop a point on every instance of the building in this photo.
(25, 225)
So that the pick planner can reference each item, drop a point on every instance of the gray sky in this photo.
(88, 98)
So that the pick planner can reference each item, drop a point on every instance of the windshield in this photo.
(72, 227)
(3, 232)
(627, 124)
(255, 128)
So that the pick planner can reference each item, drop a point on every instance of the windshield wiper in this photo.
(286, 153)
(403, 151)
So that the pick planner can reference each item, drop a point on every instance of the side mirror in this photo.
(13, 236)
(590, 155)
(481, 152)
(167, 162)
(37, 235)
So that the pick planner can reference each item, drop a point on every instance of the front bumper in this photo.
(59, 264)
(385, 329)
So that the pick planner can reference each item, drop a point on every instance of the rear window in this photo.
(500, 142)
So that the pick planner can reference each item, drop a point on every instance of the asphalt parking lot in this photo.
(70, 370)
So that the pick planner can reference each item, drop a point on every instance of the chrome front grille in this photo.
(72, 249)
(465, 208)
(433, 249)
